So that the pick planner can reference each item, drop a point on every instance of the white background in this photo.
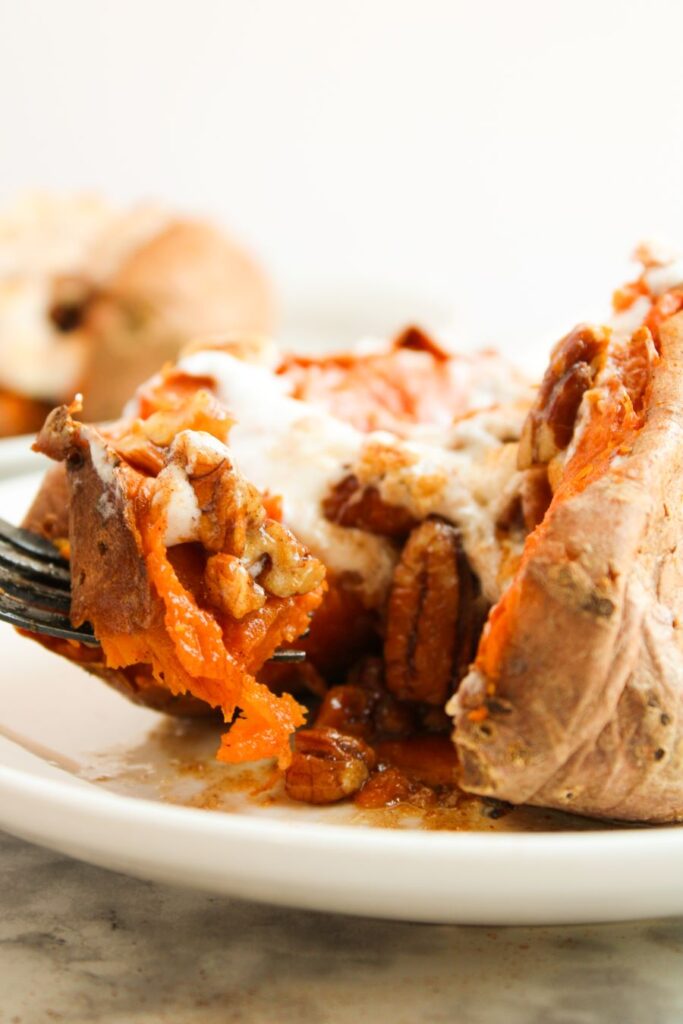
(496, 158)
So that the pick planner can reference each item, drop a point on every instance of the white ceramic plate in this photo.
(87, 773)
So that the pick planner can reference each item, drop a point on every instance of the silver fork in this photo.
(35, 589)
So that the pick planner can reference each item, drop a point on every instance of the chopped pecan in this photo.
(271, 561)
(139, 452)
(327, 766)
(289, 568)
(351, 504)
(420, 650)
(231, 587)
(574, 365)
(510, 514)
(250, 552)
(231, 509)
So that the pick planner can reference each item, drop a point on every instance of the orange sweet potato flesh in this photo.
(194, 652)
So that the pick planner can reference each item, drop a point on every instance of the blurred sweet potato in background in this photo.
(95, 299)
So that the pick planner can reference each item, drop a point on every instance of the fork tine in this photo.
(31, 543)
(33, 568)
(289, 656)
(35, 620)
(35, 586)
(42, 595)
(38, 620)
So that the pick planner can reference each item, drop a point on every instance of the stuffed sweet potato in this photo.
(510, 557)
(576, 696)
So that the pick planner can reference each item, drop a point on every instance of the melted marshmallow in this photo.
(294, 450)
(469, 483)
(182, 509)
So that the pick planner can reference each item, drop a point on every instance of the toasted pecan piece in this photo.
(349, 503)
(574, 365)
(327, 766)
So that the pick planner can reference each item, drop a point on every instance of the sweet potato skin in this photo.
(107, 568)
(49, 511)
(576, 699)
(71, 489)
(106, 558)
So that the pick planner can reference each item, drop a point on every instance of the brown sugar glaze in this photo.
(176, 764)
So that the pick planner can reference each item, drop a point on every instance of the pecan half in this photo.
(421, 645)
(327, 766)
(351, 504)
(574, 365)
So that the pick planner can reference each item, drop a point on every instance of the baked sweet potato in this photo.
(95, 299)
(576, 697)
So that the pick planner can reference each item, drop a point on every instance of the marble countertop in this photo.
(83, 945)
